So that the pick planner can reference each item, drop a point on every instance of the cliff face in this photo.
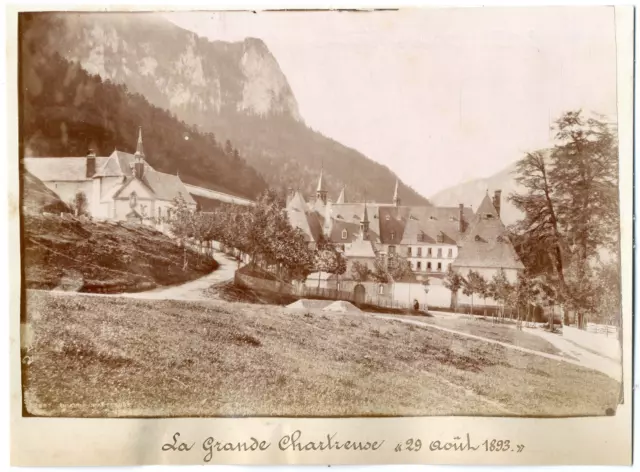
(235, 90)
(174, 68)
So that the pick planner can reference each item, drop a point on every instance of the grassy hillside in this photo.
(172, 358)
(91, 256)
(36, 197)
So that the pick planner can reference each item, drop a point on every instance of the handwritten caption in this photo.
(330, 442)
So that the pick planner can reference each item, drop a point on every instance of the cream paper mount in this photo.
(171, 312)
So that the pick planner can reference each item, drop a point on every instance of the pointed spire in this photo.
(139, 149)
(396, 198)
(320, 182)
(364, 224)
(341, 198)
(321, 193)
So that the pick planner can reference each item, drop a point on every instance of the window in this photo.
(409, 252)
(159, 212)
(429, 266)
(419, 252)
(439, 266)
(168, 213)
(344, 234)
(387, 218)
(440, 238)
(488, 216)
(428, 252)
(392, 250)
(439, 252)
(419, 266)
(381, 289)
(449, 266)
(450, 253)
(393, 235)
(478, 238)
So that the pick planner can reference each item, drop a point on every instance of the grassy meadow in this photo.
(93, 356)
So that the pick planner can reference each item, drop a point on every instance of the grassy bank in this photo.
(100, 356)
(103, 257)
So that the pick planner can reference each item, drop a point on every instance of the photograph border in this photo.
(113, 442)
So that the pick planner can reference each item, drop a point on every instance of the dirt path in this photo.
(585, 358)
(193, 290)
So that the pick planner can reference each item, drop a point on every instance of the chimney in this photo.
(91, 163)
(496, 201)
(461, 218)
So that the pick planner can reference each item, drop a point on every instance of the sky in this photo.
(440, 96)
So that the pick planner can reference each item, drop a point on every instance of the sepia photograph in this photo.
(320, 214)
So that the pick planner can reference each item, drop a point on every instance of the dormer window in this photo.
(452, 218)
(432, 217)
(478, 238)
(440, 238)
(344, 234)
(488, 216)
(387, 218)
(393, 235)
(339, 217)
(500, 239)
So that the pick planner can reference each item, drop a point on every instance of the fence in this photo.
(329, 293)
(606, 330)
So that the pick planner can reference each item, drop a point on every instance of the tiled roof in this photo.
(166, 186)
(353, 213)
(309, 222)
(64, 169)
(392, 222)
(487, 244)
(360, 248)
(426, 223)
(118, 164)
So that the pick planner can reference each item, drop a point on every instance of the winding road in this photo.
(194, 290)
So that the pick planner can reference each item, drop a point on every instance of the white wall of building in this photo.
(67, 190)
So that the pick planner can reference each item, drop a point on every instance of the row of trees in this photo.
(520, 297)
(569, 234)
(263, 233)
